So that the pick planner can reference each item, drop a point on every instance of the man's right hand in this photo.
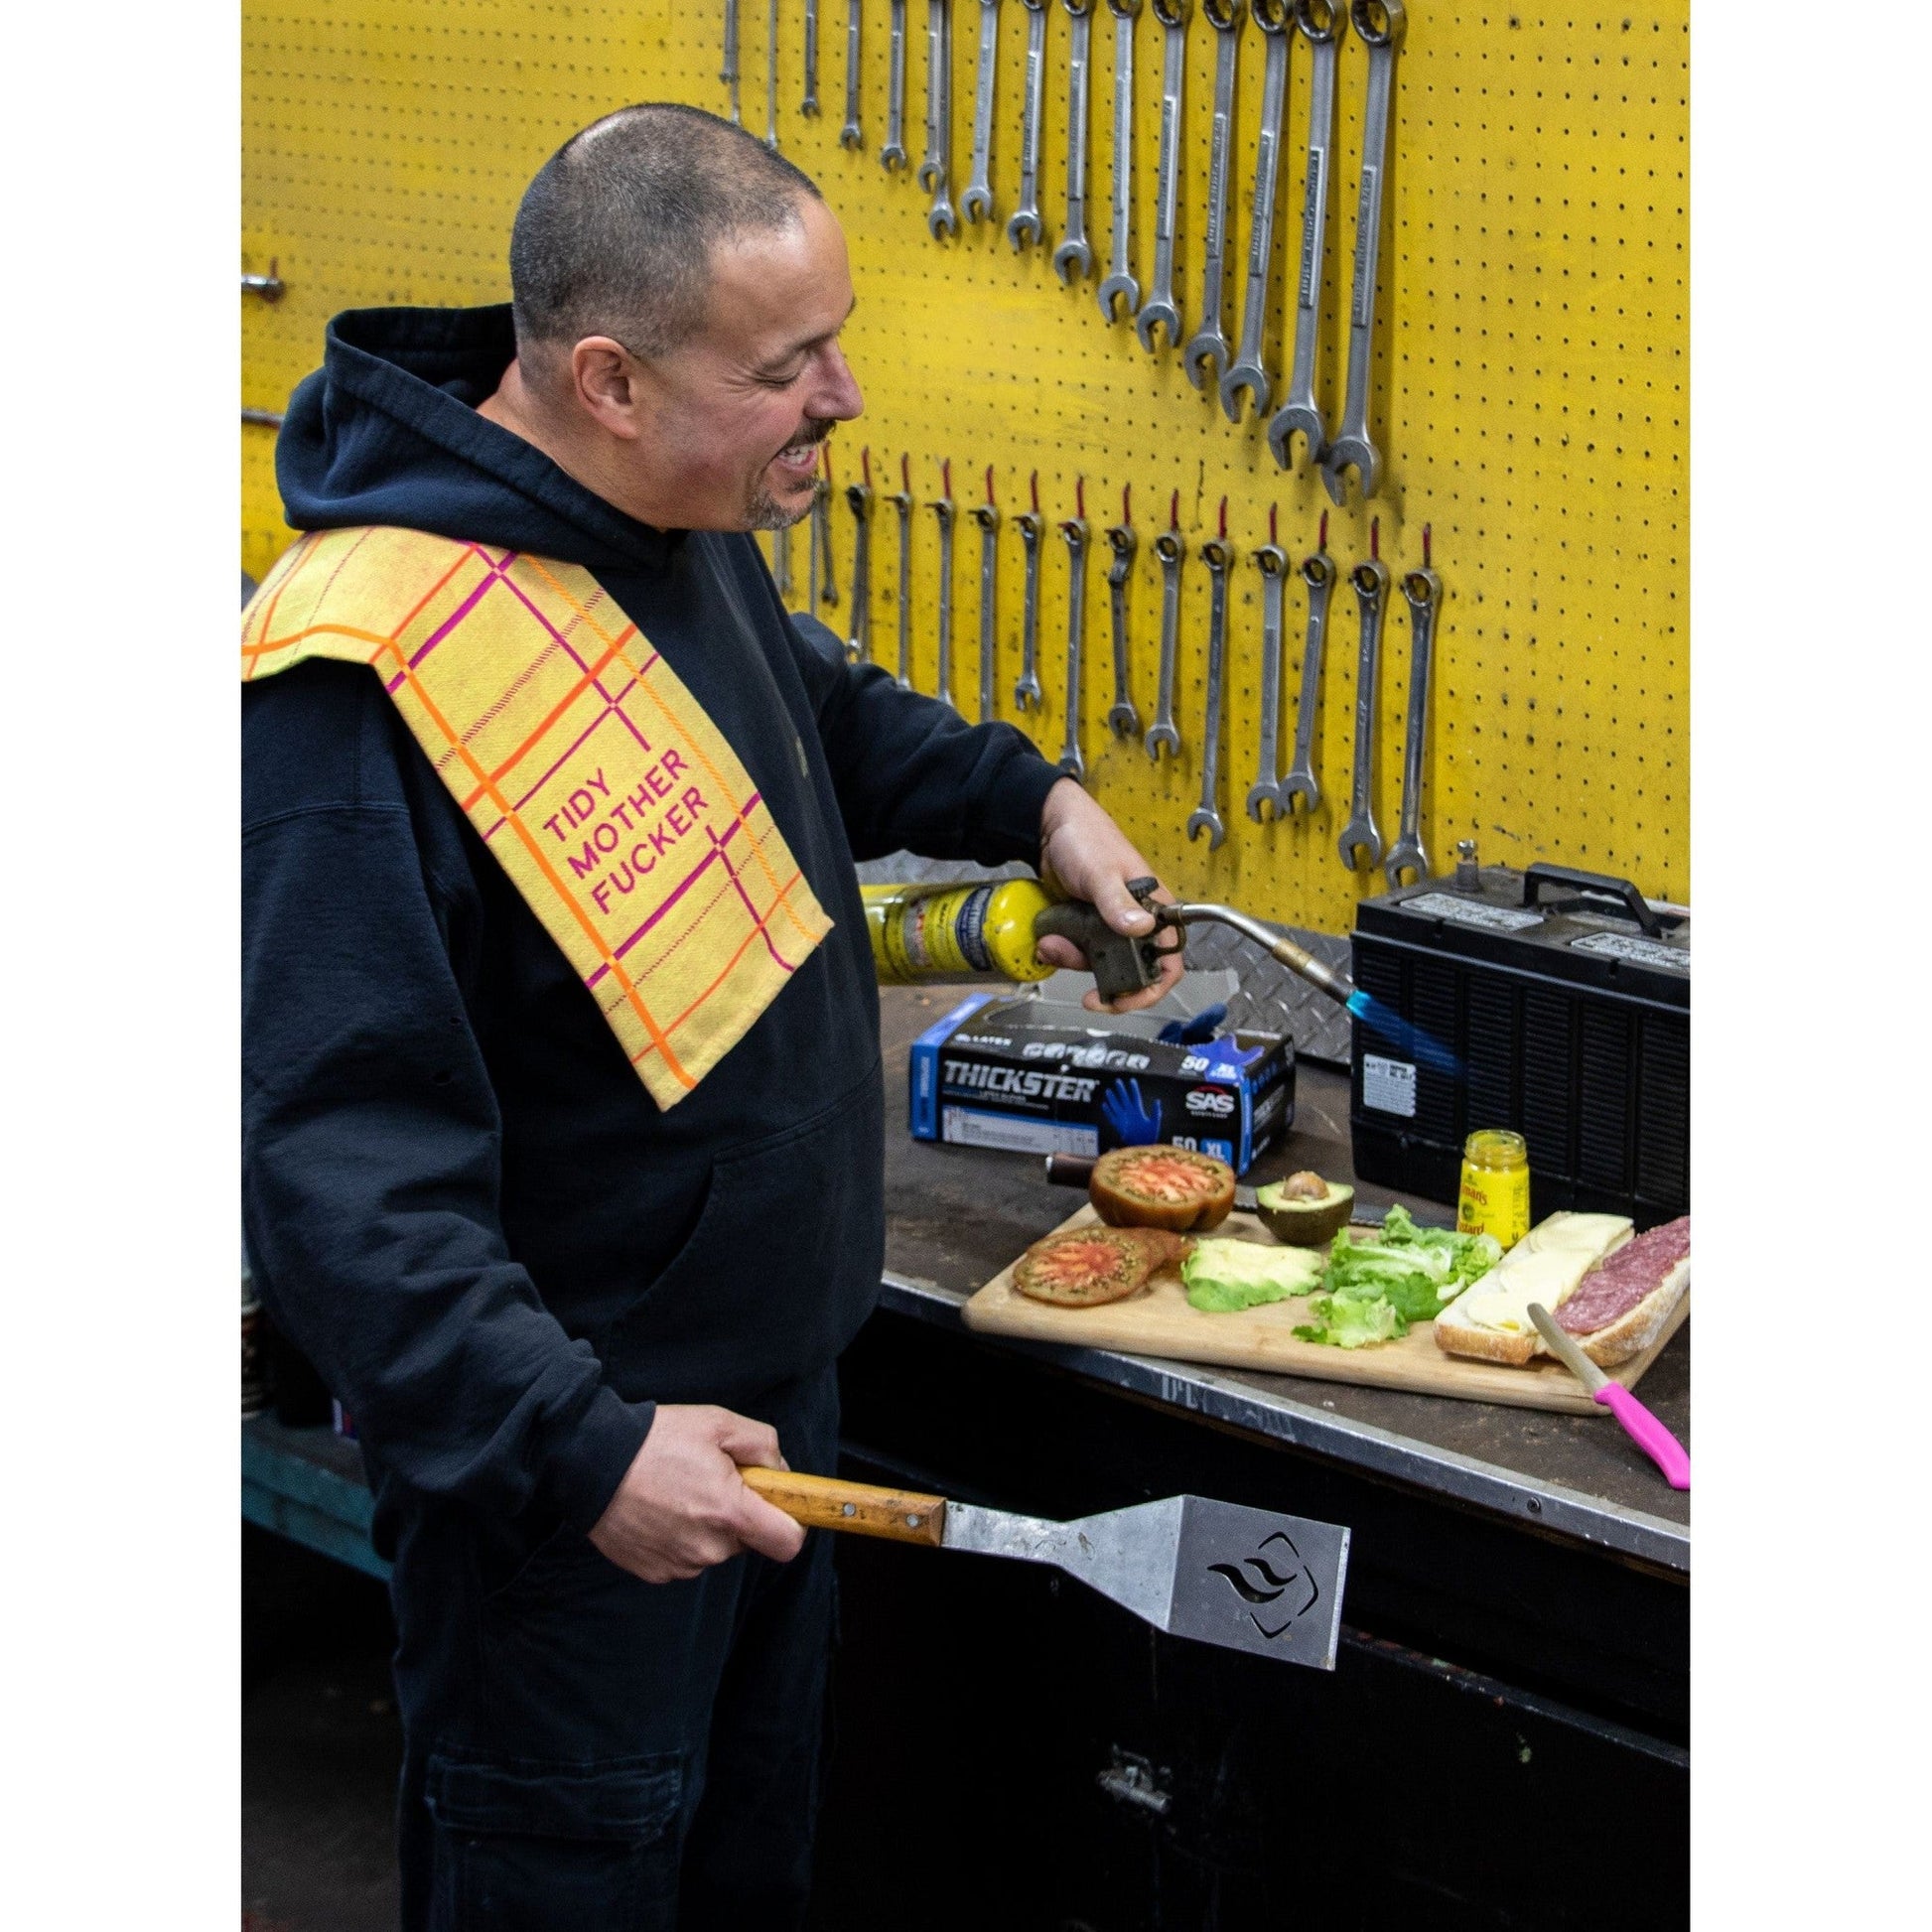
(682, 1506)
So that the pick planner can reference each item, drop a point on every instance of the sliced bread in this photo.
(1490, 1321)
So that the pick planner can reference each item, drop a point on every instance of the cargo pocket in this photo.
(525, 1845)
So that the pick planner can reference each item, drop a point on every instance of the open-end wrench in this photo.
(822, 507)
(816, 543)
(772, 77)
(1371, 582)
(850, 135)
(782, 563)
(1209, 345)
(893, 155)
(1159, 310)
(728, 73)
(1025, 226)
(901, 500)
(1354, 447)
(1218, 556)
(935, 171)
(1026, 694)
(1121, 718)
(1272, 561)
(1162, 735)
(1319, 22)
(1319, 574)
(976, 205)
(1271, 16)
(810, 105)
(988, 518)
(1120, 276)
(1074, 530)
(857, 644)
(1423, 591)
(1073, 256)
(943, 510)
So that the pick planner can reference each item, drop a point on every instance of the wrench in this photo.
(988, 518)
(943, 510)
(1371, 582)
(1025, 226)
(934, 170)
(1319, 574)
(976, 205)
(892, 154)
(901, 500)
(781, 562)
(858, 646)
(1300, 410)
(810, 105)
(1122, 720)
(815, 544)
(1422, 590)
(1162, 735)
(1120, 280)
(1217, 555)
(772, 77)
(1209, 344)
(1271, 16)
(1074, 530)
(1272, 561)
(1354, 447)
(1026, 694)
(1159, 310)
(828, 591)
(1073, 256)
(728, 73)
(849, 135)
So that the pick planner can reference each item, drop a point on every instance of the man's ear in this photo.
(608, 385)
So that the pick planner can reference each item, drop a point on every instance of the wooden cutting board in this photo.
(1157, 1321)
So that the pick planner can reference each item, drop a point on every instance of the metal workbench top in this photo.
(956, 1216)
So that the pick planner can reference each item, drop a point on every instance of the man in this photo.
(563, 1114)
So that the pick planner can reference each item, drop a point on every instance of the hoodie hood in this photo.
(386, 432)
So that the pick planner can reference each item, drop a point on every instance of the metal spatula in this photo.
(1216, 1572)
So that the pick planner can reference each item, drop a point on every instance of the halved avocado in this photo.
(1293, 1212)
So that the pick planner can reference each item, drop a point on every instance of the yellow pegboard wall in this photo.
(1530, 385)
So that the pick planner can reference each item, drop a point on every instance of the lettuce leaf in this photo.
(1353, 1320)
(1374, 1289)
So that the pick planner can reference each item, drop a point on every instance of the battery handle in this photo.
(1597, 885)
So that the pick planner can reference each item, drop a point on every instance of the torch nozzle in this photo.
(1298, 959)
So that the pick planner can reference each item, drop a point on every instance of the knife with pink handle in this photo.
(1639, 1423)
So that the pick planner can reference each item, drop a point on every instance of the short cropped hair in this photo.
(614, 237)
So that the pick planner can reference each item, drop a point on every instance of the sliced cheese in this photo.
(1592, 1234)
(1544, 1266)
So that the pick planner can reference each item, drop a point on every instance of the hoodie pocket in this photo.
(780, 1268)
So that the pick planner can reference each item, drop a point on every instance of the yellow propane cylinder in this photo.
(984, 925)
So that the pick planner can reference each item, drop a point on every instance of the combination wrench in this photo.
(1073, 256)
(1025, 227)
(782, 563)
(1119, 275)
(901, 500)
(810, 105)
(728, 73)
(1159, 311)
(1209, 345)
(943, 510)
(1319, 574)
(816, 531)
(1272, 561)
(1170, 551)
(1354, 447)
(857, 644)
(1371, 582)
(893, 155)
(1423, 591)
(1121, 718)
(849, 135)
(934, 170)
(1074, 530)
(976, 205)
(1247, 372)
(1300, 410)
(772, 77)
(1218, 555)
(1026, 694)
(987, 517)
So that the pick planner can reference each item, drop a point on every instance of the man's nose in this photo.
(838, 397)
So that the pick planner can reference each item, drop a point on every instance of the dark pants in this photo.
(591, 1753)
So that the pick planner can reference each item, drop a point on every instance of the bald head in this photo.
(614, 236)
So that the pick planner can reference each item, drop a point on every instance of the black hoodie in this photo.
(458, 1198)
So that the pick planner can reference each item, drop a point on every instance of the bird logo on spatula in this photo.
(1277, 1577)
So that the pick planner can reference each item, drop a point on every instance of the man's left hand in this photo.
(1086, 855)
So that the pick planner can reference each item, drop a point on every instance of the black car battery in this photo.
(1551, 1001)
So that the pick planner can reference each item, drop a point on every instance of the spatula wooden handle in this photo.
(825, 1503)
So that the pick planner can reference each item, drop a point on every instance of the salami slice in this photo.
(1616, 1286)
